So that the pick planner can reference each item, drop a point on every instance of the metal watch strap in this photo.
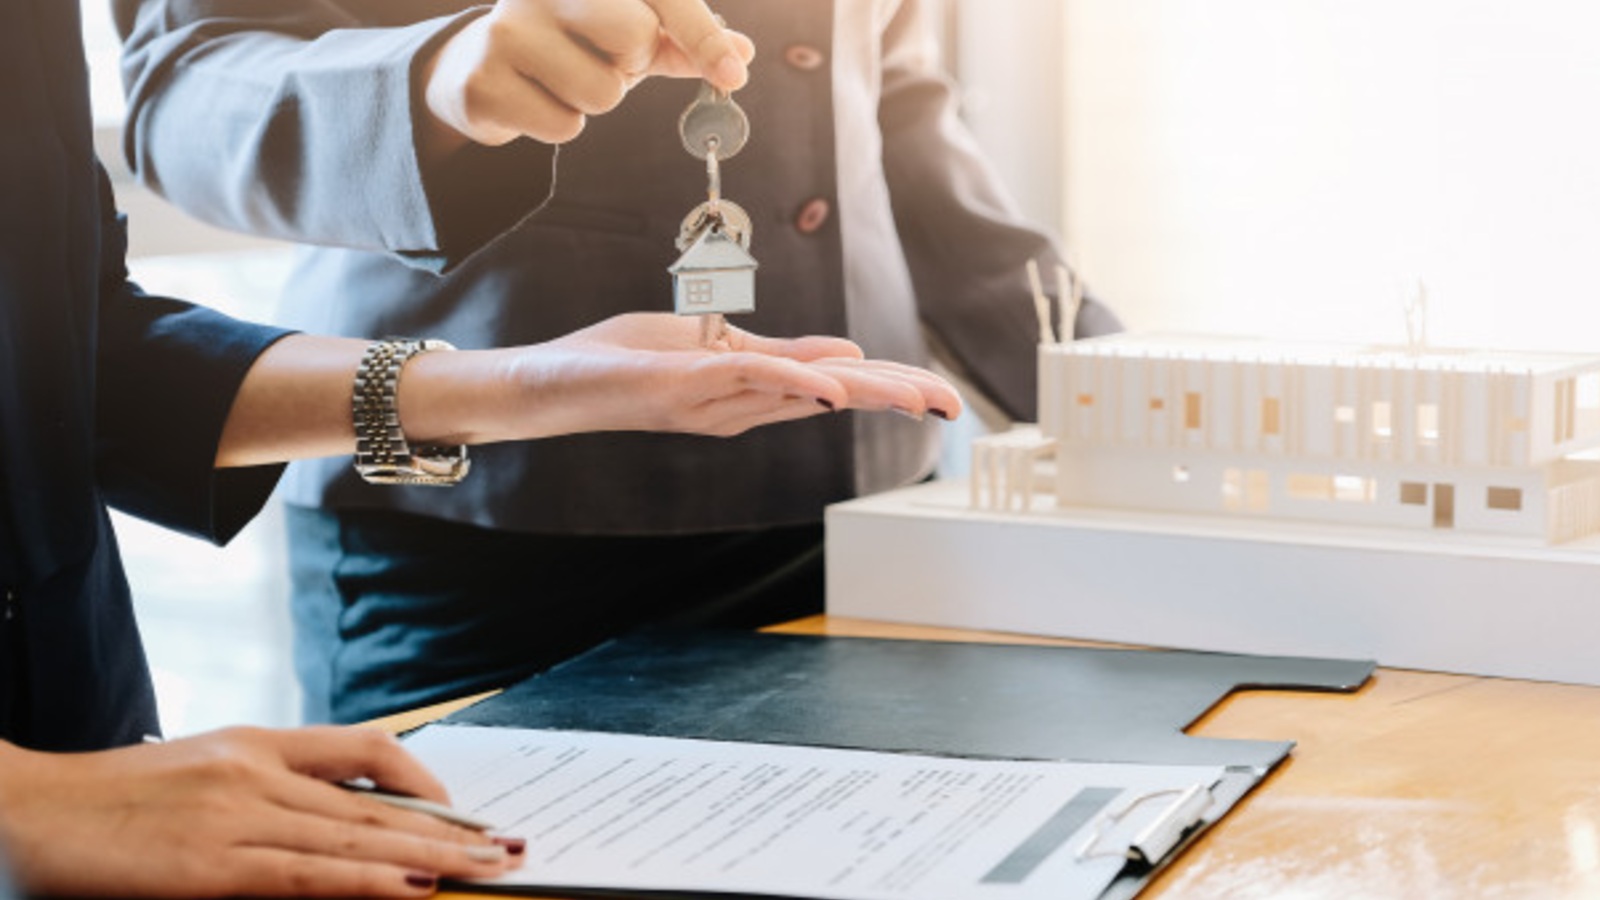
(382, 454)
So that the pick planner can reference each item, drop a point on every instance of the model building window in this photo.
(1382, 420)
(1191, 410)
(1271, 416)
(1413, 493)
(1354, 488)
(1428, 424)
(1588, 389)
(1258, 490)
(1310, 487)
(1566, 410)
(1508, 499)
(1232, 489)
(1344, 414)
(1180, 474)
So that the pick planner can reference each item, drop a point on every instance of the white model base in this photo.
(1450, 602)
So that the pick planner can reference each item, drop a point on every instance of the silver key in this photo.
(714, 128)
(713, 123)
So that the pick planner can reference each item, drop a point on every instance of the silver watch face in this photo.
(419, 475)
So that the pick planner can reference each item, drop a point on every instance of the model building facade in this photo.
(1453, 441)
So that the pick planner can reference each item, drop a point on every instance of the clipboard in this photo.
(982, 701)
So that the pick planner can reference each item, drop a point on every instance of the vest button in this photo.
(812, 216)
(804, 57)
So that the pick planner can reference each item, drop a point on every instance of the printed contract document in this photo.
(631, 813)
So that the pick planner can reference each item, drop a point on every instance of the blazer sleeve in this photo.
(166, 375)
(296, 119)
(965, 241)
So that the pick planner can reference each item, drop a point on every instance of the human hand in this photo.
(237, 812)
(540, 67)
(649, 372)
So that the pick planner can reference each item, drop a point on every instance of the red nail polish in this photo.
(940, 413)
(514, 845)
(422, 880)
(825, 404)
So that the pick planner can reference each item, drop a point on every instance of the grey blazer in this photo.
(875, 216)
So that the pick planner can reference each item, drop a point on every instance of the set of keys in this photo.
(716, 273)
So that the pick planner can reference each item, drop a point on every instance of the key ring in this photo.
(713, 173)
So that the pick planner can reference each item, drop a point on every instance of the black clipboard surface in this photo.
(999, 701)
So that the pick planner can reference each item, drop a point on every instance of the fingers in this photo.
(804, 349)
(569, 72)
(882, 384)
(273, 872)
(624, 33)
(540, 67)
(703, 40)
(322, 836)
(736, 414)
(331, 753)
(308, 795)
(475, 87)
(672, 62)
(736, 391)
(723, 375)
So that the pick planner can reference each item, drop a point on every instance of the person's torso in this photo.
(830, 259)
(72, 674)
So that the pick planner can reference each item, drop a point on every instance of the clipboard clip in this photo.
(1154, 841)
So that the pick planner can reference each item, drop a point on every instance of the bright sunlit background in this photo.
(1280, 167)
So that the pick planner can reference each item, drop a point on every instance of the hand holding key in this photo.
(539, 68)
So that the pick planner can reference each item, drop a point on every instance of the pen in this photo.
(400, 801)
(417, 804)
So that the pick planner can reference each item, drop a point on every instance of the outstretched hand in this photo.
(233, 813)
(649, 372)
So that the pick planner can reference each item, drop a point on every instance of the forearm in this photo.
(13, 773)
(303, 124)
(295, 403)
(637, 372)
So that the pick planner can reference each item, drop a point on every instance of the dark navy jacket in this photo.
(107, 396)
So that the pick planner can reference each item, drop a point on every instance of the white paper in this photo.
(668, 814)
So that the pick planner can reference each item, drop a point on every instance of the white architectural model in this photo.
(1427, 508)
(1467, 440)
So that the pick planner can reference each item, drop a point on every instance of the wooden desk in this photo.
(1418, 786)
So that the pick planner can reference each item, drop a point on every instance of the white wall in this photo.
(1278, 166)
(1007, 55)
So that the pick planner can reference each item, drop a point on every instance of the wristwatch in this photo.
(382, 454)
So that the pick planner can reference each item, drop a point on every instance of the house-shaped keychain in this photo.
(715, 275)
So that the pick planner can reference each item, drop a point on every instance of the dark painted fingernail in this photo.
(422, 880)
(514, 845)
(940, 413)
(826, 404)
